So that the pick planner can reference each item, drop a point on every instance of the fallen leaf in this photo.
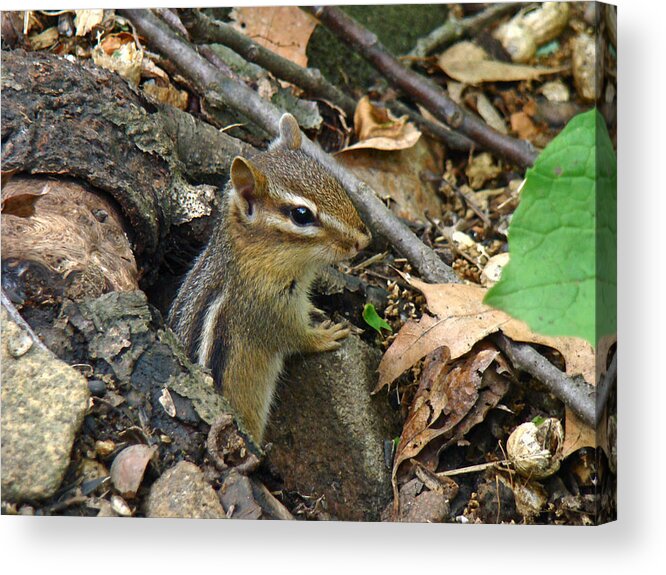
(462, 320)
(284, 30)
(45, 39)
(578, 435)
(378, 129)
(167, 94)
(466, 62)
(402, 177)
(125, 61)
(86, 20)
(452, 397)
(490, 114)
(523, 126)
(113, 42)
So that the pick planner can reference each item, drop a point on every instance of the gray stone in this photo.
(43, 404)
(182, 491)
(328, 432)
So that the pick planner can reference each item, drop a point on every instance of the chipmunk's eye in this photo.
(302, 216)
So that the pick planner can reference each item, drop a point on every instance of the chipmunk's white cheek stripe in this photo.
(298, 201)
(335, 223)
(208, 331)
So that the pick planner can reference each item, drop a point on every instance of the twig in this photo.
(172, 19)
(421, 88)
(579, 397)
(454, 29)
(604, 387)
(474, 468)
(310, 80)
(268, 502)
(452, 139)
(224, 92)
(376, 215)
(206, 30)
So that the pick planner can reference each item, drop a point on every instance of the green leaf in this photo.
(373, 320)
(561, 279)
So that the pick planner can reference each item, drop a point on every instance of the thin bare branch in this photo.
(420, 88)
(454, 29)
(579, 397)
(224, 92)
(310, 80)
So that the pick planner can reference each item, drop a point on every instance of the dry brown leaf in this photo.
(451, 399)
(466, 62)
(126, 61)
(578, 435)
(113, 42)
(167, 95)
(86, 20)
(462, 320)
(523, 125)
(44, 39)
(398, 175)
(480, 169)
(150, 70)
(378, 129)
(284, 30)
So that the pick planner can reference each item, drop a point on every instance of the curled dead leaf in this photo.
(45, 39)
(466, 62)
(284, 30)
(452, 397)
(462, 319)
(86, 20)
(113, 42)
(378, 129)
(126, 61)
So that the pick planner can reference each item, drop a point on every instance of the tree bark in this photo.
(76, 120)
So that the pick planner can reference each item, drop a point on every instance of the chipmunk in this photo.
(244, 306)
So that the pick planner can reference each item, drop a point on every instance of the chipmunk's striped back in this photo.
(244, 305)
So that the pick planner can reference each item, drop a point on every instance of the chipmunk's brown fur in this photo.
(244, 306)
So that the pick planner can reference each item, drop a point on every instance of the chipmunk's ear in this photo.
(290, 133)
(248, 181)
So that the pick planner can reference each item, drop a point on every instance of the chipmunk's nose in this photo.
(362, 240)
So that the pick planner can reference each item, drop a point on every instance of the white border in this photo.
(632, 544)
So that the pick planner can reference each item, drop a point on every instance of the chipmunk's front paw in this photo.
(327, 336)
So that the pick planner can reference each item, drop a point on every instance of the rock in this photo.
(328, 432)
(44, 401)
(183, 492)
(97, 387)
(237, 496)
(420, 505)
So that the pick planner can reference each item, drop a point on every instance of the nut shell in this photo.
(536, 450)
